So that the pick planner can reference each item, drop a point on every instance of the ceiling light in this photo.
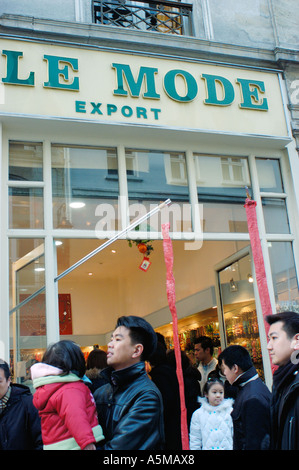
(39, 269)
(58, 242)
(77, 205)
(250, 278)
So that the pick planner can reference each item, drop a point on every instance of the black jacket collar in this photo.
(123, 376)
(248, 375)
(285, 375)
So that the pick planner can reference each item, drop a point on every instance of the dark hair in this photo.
(159, 356)
(66, 355)
(140, 332)
(206, 342)
(290, 322)
(211, 381)
(236, 354)
(161, 340)
(5, 367)
(97, 358)
(171, 359)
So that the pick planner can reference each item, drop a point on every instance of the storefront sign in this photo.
(89, 84)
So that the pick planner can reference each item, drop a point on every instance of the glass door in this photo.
(28, 313)
(238, 318)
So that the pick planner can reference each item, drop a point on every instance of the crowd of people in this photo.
(128, 398)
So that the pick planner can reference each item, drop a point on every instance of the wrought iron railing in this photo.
(163, 16)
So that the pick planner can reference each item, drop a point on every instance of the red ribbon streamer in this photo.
(170, 289)
(258, 260)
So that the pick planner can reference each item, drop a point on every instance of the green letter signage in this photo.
(55, 72)
(227, 90)
(190, 85)
(124, 71)
(250, 91)
(13, 72)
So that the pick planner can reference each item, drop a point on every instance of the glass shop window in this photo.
(84, 187)
(25, 181)
(221, 182)
(154, 176)
(25, 161)
(26, 208)
(285, 280)
(269, 175)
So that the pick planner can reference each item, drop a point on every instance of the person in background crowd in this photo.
(66, 405)
(212, 425)
(283, 347)
(165, 378)
(230, 391)
(20, 427)
(130, 406)
(203, 350)
(192, 379)
(251, 409)
(96, 362)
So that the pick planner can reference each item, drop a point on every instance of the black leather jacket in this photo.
(285, 408)
(130, 410)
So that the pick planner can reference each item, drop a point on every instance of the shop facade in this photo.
(93, 137)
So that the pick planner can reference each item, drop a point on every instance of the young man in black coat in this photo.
(283, 347)
(20, 427)
(251, 409)
(129, 406)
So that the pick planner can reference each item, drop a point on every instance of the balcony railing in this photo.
(164, 16)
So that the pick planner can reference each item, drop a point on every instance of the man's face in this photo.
(121, 352)
(199, 352)
(279, 345)
(4, 383)
(230, 374)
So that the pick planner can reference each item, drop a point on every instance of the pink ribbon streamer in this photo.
(170, 289)
(258, 260)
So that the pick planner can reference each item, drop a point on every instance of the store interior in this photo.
(112, 283)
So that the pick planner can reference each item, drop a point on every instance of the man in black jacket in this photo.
(283, 347)
(251, 409)
(130, 408)
(20, 427)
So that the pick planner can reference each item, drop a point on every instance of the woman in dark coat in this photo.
(164, 377)
(192, 378)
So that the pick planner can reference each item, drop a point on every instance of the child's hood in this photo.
(47, 380)
(40, 369)
(44, 374)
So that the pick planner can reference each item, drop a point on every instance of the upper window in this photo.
(269, 175)
(221, 182)
(25, 161)
(84, 187)
(26, 209)
(154, 176)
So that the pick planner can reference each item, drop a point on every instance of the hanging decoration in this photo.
(170, 289)
(258, 259)
(145, 247)
(145, 264)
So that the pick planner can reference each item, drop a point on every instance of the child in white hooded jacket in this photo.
(211, 425)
